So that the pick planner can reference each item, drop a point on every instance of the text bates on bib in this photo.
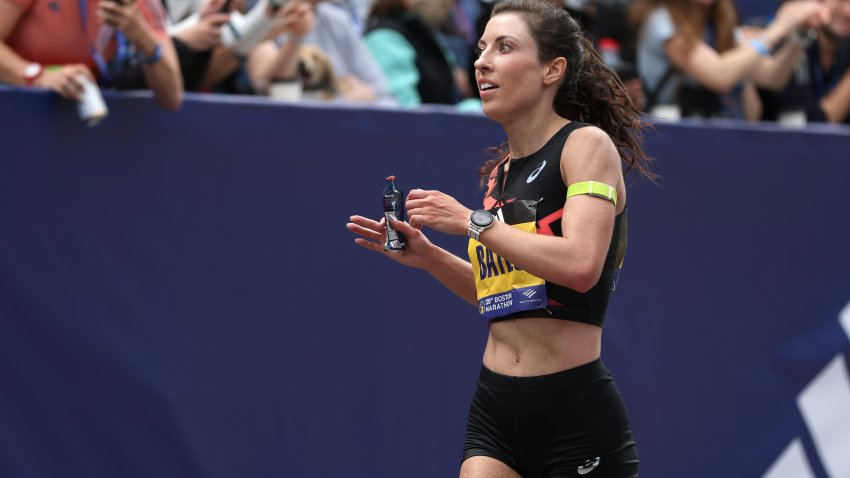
(502, 288)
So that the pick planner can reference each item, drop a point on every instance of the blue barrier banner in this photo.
(179, 296)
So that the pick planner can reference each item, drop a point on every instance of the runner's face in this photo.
(508, 72)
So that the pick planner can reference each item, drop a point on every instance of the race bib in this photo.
(502, 287)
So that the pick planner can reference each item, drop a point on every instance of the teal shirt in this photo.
(397, 59)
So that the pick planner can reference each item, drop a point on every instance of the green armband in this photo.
(593, 188)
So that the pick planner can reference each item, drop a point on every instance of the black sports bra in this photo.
(535, 182)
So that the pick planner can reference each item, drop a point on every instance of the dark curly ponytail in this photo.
(591, 92)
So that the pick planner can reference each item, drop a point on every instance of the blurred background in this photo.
(179, 296)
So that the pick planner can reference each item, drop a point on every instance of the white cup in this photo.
(668, 112)
(289, 90)
(91, 107)
(792, 119)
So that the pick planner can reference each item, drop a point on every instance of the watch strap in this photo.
(153, 58)
(474, 230)
(32, 72)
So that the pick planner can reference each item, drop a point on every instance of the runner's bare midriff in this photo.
(538, 346)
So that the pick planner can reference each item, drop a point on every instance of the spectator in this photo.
(359, 78)
(460, 33)
(234, 63)
(359, 10)
(694, 60)
(820, 88)
(609, 27)
(195, 28)
(100, 35)
(418, 68)
(356, 11)
(278, 58)
(454, 33)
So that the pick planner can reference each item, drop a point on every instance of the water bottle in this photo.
(393, 208)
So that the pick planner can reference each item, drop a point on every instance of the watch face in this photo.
(481, 218)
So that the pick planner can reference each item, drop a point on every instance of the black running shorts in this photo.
(566, 424)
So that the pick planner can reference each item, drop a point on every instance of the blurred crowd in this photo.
(677, 58)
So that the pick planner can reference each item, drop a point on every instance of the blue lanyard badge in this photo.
(120, 40)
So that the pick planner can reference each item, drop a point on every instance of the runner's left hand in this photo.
(438, 211)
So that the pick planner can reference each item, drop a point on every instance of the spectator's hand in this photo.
(206, 34)
(438, 211)
(296, 17)
(65, 80)
(355, 90)
(212, 7)
(122, 15)
(374, 235)
(801, 14)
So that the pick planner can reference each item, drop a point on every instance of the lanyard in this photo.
(121, 41)
(819, 76)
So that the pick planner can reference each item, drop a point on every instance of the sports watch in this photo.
(32, 72)
(479, 221)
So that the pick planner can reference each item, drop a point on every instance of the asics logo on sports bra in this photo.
(533, 175)
(588, 466)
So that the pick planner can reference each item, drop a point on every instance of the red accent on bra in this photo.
(544, 226)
